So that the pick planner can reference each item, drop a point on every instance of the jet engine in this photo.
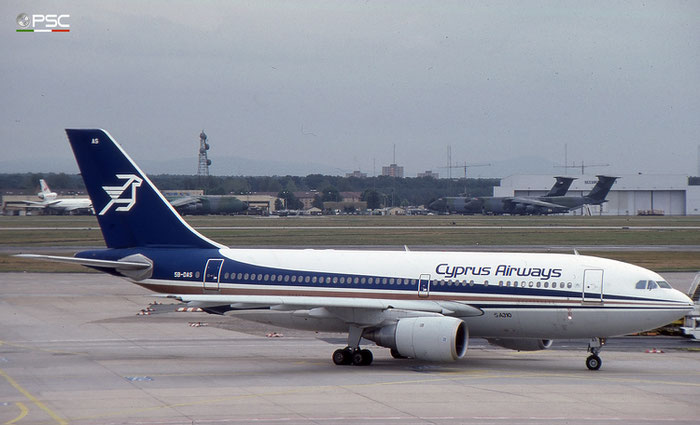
(522, 344)
(437, 339)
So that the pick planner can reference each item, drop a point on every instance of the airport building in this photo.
(633, 194)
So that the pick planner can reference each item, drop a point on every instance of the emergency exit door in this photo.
(424, 286)
(212, 273)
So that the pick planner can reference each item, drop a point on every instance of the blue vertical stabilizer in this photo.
(130, 209)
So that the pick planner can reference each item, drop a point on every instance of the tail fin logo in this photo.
(115, 193)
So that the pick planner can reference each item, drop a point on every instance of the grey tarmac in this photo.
(74, 351)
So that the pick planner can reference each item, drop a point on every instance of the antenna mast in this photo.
(204, 162)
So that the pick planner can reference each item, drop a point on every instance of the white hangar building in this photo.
(632, 194)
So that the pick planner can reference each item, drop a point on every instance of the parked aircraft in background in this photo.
(208, 204)
(50, 201)
(467, 205)
(423, 305)
(548, 204)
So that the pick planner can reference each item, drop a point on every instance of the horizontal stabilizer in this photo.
(121, 265)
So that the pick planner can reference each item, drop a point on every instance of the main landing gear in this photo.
(593, 362)
(353, 354)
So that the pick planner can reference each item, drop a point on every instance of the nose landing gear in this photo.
(593, 362)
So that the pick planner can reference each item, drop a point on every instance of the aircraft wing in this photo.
(33, 204)
(429, 307)
(187, 200)
(537, 203)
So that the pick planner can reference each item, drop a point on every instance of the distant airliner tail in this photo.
(45, 193)
(129, 208)
(600, 191)
(561, 186)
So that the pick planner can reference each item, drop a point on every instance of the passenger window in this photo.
(642, 284)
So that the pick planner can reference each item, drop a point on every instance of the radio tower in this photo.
(204, 162)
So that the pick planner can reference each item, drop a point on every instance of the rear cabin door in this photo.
(593, 285)
(212, 273)
(424, 286)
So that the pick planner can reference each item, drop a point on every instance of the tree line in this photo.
(383, 190)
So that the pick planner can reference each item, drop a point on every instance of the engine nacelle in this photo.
(522, 344)
(438, 339)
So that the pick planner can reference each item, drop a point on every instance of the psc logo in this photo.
(43, 23)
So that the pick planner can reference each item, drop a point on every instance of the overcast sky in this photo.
(336, 84)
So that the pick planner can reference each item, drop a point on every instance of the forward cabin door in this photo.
(592, 286)
(424, 286)
(212, 273)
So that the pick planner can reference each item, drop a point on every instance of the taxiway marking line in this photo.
(33, 399)
(23, 411)
(392, 227)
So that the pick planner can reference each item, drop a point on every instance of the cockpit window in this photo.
(652, 285)
(663, 284)
(642, 284)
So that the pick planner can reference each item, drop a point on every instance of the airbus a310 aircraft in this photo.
(422, 305)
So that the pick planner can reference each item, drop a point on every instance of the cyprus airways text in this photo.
(504, 270)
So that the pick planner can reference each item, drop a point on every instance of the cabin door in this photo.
(212, 273)
(593, 285)
(424, 286)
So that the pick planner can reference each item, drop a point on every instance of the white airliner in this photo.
(49, 200)
(422, 305)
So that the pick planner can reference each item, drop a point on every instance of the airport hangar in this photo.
(632, 194)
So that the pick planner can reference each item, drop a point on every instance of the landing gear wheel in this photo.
(342, 356)
(362, 358)
(593, 362)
